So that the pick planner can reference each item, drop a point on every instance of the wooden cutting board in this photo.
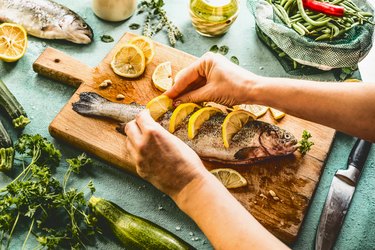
(293, 179)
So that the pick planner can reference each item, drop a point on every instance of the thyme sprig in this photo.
(57, 217)
(157, 19)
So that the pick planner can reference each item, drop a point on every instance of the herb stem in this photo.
(28, 234)
(11, 232)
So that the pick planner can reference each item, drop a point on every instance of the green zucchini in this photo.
(6, 150)
(134, 232)
(12, 107)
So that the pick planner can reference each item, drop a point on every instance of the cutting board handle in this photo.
(60, 67)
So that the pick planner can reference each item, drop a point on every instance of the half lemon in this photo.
(13, 42)
(229, 177)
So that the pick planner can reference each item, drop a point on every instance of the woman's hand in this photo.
(213, 78)
(160, 157)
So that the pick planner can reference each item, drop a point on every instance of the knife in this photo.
(339, 196)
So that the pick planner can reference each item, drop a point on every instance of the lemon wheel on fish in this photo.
(162, 76)
(129, 61)
(159, 106)
(229, 177)
(198, 118)
(146, 45)
(256, 110)
(180, 113)
(13, 42)
(233, 123)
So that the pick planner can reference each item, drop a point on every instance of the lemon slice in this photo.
(229, 177)
(352, 80)
(13, 42)
(198, 118)
(277, 114)
(180, 113)
(146, 45)
(129, 61)
(223, 108)
(159, 106)
(256, 110)
(162, 76)
(233, 122)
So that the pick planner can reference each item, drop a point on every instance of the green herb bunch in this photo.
(304, 144)
(57, 217)
(157, 19)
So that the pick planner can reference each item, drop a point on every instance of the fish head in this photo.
(277, 141)
(76, 29)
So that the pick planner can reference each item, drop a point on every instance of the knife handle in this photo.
(359, 153)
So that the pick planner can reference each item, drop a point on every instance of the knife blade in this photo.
(340, 195)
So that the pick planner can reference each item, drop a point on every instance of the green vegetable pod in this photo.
(11, 105)
(133, 231)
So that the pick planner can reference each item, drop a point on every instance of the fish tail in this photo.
(88, 103)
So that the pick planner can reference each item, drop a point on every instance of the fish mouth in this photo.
(78, 31)
(82, 35)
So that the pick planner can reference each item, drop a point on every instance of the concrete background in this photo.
(43, 99)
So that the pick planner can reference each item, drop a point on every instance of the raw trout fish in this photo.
(46, 19)
(255, 142)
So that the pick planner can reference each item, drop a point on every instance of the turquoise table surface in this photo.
(43, 99)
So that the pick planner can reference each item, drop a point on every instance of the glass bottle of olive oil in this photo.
(213, 17)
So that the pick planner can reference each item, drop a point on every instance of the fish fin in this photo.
(87, 103)
(47, 28)
(250, 153)
(121, 128)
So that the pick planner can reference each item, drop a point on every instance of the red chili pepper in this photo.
(324, 7)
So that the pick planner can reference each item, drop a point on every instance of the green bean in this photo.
(365, 14)
(323, 37)
(283, 2)
(284, 15)
(303, 27)
(298, 29)
(335, 29)
(307, 18)
(288, 4)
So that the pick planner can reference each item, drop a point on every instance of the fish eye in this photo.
(287, 136)
(84, 25)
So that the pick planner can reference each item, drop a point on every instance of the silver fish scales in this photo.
(255, 142)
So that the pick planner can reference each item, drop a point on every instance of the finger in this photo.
(134, 133)
(196, 96)
(131, 150)
(145, 122)
(187, 77)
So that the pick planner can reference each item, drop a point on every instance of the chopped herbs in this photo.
(58, 217)
(223, 50)
(235, 60)
(106, 39)
(134, 26)
(214, 48)
(305, 144)
(157, 19)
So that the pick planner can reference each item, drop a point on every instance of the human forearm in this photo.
(222, 218)
(347, 107)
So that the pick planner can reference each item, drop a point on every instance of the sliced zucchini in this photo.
(14, 109)
(6, 150)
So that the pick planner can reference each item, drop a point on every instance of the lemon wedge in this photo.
(198, 118)
(229, 177)
(162, 76)
(180, 113)
(146, 45)
(223, 108)
(233, 122)
(13, 42)
(159, 106)
(129, 61)
(256, 110)
(277, 114)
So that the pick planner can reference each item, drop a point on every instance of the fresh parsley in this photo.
(304, 144)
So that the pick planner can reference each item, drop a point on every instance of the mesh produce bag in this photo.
(343, 52)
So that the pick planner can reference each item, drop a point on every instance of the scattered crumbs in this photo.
(120, 97)
(105, 84)
(276, 198)
(178, 228)
(263, 196)
(272, 193)
(282, 223)
(134, 26)
(292, 197)
(106, 39)
(161, 207)
(66, 128)
(191, 233)
(192, 239)
(196, 238)
(261, 68)
(255, 202)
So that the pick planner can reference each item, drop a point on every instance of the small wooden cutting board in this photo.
(293, 178)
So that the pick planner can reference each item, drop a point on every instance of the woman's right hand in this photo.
(213, 78)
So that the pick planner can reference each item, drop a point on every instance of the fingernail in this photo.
(176, 103)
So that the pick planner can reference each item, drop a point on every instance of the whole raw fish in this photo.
(46, 19)
(256, 141)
